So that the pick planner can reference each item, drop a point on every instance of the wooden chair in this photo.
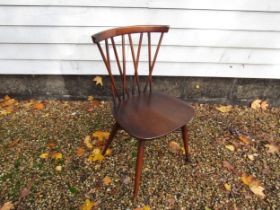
(143, 114)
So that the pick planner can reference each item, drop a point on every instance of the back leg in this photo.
(114, 130)
(185, 136)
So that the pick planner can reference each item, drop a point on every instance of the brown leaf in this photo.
(24, 192)
(272, 148)
(38, 106)
(80, 151)
(51, 145)
(253, 184)
(98, 80)
(7, 206)
(227, 166)
(244, 138)
(174, 147)
(107, 180)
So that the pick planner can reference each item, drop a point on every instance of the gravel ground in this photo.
(32, 182)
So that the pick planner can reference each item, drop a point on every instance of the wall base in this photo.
(192, 89)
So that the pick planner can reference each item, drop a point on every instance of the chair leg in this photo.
(139, 164)
(185, 136)
(111, 137)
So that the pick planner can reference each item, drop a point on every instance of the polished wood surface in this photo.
(150, 116)
(142, 113)
(128, 30)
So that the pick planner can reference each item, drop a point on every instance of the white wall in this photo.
(219, 38)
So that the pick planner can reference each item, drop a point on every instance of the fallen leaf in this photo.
(44, 155)
(87, 205)
(6, 98)
(253, 184)
(257, 190)
(230, 147)
(108, 152)
(244, 138)
(101, 135)
(256, 104)
(107, 180)
(38, 106)
(228, 166)
(51, 145)
(7, 206)
(272, 148)
(24, 192)
(96, 156)
(90, 98)
(57, 155)
(251, 157)
(146, 208)
(227, 187)
(264, 105)
(174, 147)
(224, 109)
(80, 151)
(98, 80)
(58, 168)
(87, 142)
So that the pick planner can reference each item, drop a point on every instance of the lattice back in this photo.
(126, 46)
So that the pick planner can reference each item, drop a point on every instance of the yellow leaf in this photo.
(183, 150)
(101, 135)
(38, 106)
(257, 190)
(96, 156)
(272, 148)
(174, 147)
(58, 168)
(264, 105)
(87, 205)
(107, 180)
(108, 152)
(246, 179)
(230, 147)
(98, 80)
(7, 206)
(251, 157)
(146, 208)
(224, 109)
(80, 151)
(6, 98)
(90, 98)
(57, 155)
(87, 142)
(227, 187)
(5, 112)
(256, 104)
(253, 184)
(44, 155)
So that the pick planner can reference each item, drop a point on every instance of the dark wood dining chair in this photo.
(142, 113)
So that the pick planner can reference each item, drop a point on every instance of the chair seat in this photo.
(150, 116)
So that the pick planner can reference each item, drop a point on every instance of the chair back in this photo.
(125, 33)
